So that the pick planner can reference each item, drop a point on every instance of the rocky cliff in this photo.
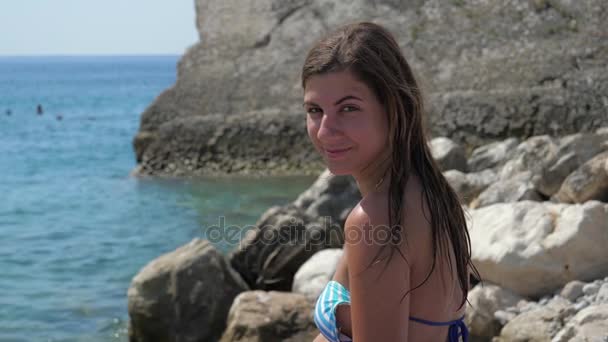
(490, 69)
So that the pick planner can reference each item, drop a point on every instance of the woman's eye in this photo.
(313, 111)
(349, 109)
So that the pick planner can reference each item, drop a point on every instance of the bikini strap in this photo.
(436, 324)
(457, 328)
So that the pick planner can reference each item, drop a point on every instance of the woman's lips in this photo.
(336, 153)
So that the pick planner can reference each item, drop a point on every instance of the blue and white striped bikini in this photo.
(335, 294)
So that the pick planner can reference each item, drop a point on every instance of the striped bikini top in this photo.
(335, 294)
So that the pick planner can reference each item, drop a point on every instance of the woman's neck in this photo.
(374, 178)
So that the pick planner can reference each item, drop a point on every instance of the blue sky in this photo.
(100, 27)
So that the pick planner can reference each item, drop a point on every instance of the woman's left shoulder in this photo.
(370, 219)
(367, 233)
(371, 212)
(367, 228)
(374, 207)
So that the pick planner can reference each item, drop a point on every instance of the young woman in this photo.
(405, 268)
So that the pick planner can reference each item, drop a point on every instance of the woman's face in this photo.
(345, 121)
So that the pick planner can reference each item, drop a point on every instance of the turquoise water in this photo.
(74, 227)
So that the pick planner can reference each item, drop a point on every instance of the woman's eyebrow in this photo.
(347, 97)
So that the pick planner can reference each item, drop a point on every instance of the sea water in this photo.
(74, 227)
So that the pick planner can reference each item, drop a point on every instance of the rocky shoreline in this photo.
(491, 70)
(260, 143)
(517, 95)
(538, 217)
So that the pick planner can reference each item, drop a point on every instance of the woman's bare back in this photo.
(439, 298)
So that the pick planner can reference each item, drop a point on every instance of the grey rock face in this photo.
(532, 155)
(284, 238)
(491, 70)
(573, 151)
(183, 295)
(492, 155)
(588, 182)
(330, 196)
(448, 154)
(270, 316)
(469, 185)
(518, 188)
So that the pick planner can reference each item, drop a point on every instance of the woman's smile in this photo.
(336, 153)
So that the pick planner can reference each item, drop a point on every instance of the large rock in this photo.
(330, 196)
(534, 248)
(588, 182)
(259, 316)
(493, 155)
(184, 295)
(573, 151)
(448, 154)
(284, 238)
(491, 70)
(484, 302)
(469, 185)
(311, 278)
(515, 189)
(531, 156)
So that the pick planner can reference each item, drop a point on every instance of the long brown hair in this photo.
(371, 53)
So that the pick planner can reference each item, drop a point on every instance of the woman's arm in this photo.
(343, 319)
(343, 311)
(377, 310)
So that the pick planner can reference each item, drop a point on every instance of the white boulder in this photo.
(534, 248)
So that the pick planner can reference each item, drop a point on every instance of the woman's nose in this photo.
(328, 128)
